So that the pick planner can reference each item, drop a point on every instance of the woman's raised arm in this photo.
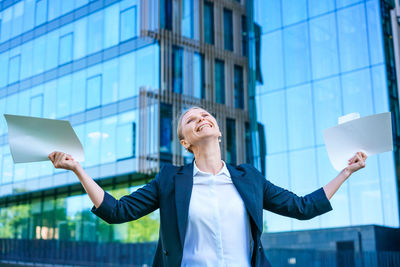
(61, 160)
(355, 163)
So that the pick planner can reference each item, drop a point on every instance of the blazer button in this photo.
(165, 252)
(259, 247)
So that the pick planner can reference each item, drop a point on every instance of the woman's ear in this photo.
(185, 144)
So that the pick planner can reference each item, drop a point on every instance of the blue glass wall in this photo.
(321, 60)
(88, 68)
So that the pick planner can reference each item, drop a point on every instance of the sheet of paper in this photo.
(32, 139)
(371, 135)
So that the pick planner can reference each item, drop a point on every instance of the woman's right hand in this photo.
(62, 160)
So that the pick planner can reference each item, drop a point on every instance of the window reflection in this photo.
(187, 18)
(177, 69)
(166, 132)
(228, 30)
(238, 87)
(219, 81)
(208, 22)
(128, 23)
(65, 48)
(93, 91)
(230, 141)
(14, 68)
(40, 12)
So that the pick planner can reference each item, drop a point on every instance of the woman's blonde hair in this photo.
(179, 129)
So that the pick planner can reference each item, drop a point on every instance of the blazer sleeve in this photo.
(130, 207)
(286, 203)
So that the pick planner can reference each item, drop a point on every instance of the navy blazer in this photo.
(171, 189)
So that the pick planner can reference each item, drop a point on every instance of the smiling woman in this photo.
(210, 211)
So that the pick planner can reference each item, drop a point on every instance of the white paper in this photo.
(371, 135)
(33, 139)
(348, 117)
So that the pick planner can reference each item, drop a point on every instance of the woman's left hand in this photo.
(357, 162)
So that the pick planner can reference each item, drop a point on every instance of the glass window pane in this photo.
(36, 106)
(93, 91)
(245, 38)
(95, 32)
(65, 50)
(268, 14)
(148, 74)
(271, 111)
(166, 14)
(92, 144)
(231, 141)
(128, 23)
(208, 22)
(111, 26)
(380, 89)
(127, 81)
(52, 47)
(323, 39)
(63, 96)
(14, 68)
(26, 60)
(228, 30)
(300, 117)
(272, 61)
(353, 43)
(375, 32)
(317, 7)
(55, 8)
(357, 95)
(166, 132)
(293, 11)
(239, 87)
(296, 54)
(110, 81)
(343, 3)
(39, 55)
(219, 81)
(177, 69)
(126, 140)
(4, 66)
(7, 168)
(6, 23)
(17, 19)
(198, 76)
(29, 15)
(187, 18)
(78, 91)
(108, 127)
(40, 12)
(80, 33)
(327, 101)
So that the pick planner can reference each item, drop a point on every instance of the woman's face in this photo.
(198, 126)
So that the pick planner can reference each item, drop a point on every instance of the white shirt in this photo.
(218, 231)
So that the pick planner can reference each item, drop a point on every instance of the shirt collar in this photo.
(224, 170)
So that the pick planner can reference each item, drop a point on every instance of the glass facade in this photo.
(322, 60)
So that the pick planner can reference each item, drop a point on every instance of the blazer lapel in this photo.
(183, 192)
(246, 191)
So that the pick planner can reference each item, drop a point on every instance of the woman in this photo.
(210, 212)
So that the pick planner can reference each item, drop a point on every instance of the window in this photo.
(208, 22)
(8, 170)
(244, 37)
(166, 133)
(187, 20)
(239, 88)
(40, 12)
(126, 140)
(177, 70)
(230, 141)
(93, 91)
(65, 50)
(219, 81)
(14, 68)
(166, 14)
(248, 143)
(228, 30)
(128, 24)
(198, 76)
(36, 106)
(95, 32)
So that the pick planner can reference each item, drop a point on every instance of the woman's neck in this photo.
(208, 157)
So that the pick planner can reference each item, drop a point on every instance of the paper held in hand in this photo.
(32, 139)
(371, 135)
